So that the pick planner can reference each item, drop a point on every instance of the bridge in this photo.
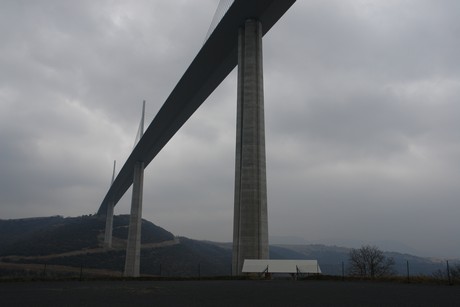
(235, 40)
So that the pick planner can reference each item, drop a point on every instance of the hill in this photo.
(78, 242)
(56, 235)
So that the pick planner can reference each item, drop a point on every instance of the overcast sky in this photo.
(362, 118)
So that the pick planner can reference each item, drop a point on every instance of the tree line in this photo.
(370, 262)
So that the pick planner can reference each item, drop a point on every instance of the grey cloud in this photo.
(361, 117)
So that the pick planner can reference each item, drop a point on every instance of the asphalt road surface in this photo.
(226, 293)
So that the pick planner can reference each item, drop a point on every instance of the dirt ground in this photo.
(225, 293)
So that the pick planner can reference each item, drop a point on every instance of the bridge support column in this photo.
(250, 229)
(108, 225)
(133, 249)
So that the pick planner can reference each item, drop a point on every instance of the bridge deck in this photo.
(216, 59)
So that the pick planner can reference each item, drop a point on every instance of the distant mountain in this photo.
(287, 240)
(330, 258)
(78, 242)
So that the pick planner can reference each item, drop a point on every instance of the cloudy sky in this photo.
(362, 118)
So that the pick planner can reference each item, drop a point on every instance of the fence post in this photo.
(343, 271)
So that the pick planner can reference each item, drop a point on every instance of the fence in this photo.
(442, 272)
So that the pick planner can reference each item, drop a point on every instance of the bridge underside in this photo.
(236, 39)
(216, 59)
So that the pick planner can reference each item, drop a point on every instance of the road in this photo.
(226, 293)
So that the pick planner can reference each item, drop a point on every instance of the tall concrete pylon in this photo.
(133, 248)
(109, 216)
(250, 222)
(108, 226)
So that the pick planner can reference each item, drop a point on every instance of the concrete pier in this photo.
(133, 250)
(109, 216)
(250, 231)
(108, 226)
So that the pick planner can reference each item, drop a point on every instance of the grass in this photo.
(38, 272)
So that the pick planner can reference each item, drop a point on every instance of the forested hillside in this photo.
(78, 242)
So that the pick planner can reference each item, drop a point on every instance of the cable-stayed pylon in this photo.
(222, 8)
(140, 130)
(109, 216)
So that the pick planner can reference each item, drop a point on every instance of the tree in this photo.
(454, 273)
(369, 261)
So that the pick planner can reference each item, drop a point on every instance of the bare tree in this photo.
(455, 272)
(369, 261)
(442, 274)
